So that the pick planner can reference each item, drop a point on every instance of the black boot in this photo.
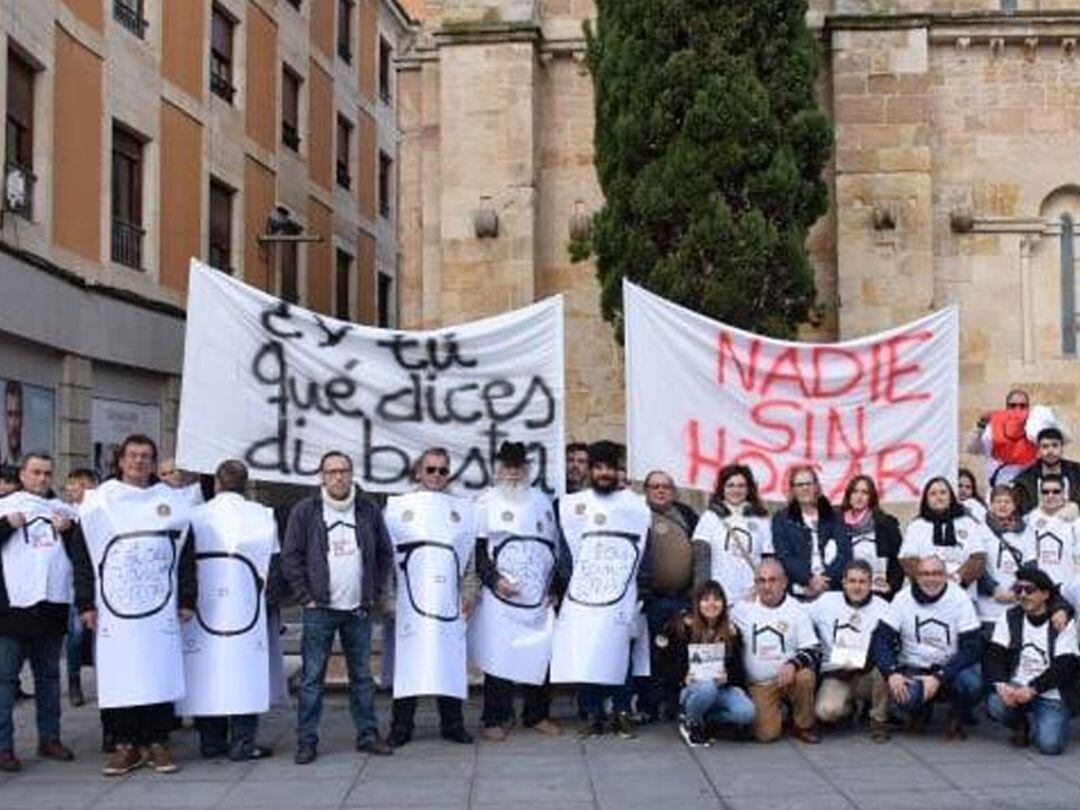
(75, 693)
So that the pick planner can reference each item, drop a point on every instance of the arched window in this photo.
(1068, 287)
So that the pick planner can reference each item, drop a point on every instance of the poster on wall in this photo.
(111, 420)
(27, 421)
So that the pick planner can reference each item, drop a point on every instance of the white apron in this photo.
(36, 565)
(606, 536)
(433, 534)
(226, 664)
(510, 637)
(135, 537)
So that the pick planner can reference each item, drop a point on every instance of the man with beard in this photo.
(928, 645)
(42, 554)
(433, 533)
(577, 467)
(1051, 442)
(606, 530)
(517, 555)
(1031, 667)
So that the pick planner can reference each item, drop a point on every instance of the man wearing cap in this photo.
(518, 556)
(1031, 667)
(606, 530)
(1051, 442)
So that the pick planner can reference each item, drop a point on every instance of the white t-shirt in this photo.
(971, 539)
(864, 547)
(736, 543)
(975, 509)
(1001, 563)
(1034, 657)
(844, 629)
(1057, 546)
(929, 634)
(343, 558)
(772, 635)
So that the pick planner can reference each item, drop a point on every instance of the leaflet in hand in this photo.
(707, 662)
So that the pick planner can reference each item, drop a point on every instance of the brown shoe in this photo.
(161, 759)
(494, 733)
(54, 749)
(810, 736)
(956, 730)
(547, 728)
(879, 732)
(125, 759)
(9, 762)
(1020, 737)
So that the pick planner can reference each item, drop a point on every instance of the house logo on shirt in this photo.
(768, 630)
(1052, 554)
(933, 632)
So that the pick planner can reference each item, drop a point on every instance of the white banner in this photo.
(226, 664)
(701, 394)
(277, 386)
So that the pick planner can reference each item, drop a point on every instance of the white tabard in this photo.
(433, 535)
(135, 537)
(606, 537)
(36, 565)
(226, 668)
(510, 637)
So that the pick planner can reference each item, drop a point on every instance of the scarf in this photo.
(944, 531)
(344, 505)
(859, 521)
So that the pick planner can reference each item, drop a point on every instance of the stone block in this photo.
(904, 159)
(907, 109)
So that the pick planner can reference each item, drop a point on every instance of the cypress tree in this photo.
(709, 150)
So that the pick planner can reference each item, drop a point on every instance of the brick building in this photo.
(143, 132)
(955, 179)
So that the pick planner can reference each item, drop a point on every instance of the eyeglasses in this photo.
(659, 486)
(1054, 491)
(1017, 406)
(735, 485)
(437, 470)
(1023, 589)
(802, 483)
(337, 471)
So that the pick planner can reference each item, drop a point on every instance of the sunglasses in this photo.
(1022, 589)
(437, 470)
(1017, 406)
(1052, 491)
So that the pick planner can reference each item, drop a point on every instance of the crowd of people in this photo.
(737, 623)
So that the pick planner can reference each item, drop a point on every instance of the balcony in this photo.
(127, 243)
(19, 189)
(289, 136)
(129, 14)
(343, 178)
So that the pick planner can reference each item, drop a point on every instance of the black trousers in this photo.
(140, 725)
(451, 714)
(499, 702)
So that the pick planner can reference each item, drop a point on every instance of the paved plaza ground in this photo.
(530, 772)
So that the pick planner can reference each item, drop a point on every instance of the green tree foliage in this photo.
(709, 150)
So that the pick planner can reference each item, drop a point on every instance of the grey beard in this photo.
(512, 491)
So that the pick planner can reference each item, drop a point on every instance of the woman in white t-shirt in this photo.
(733, 535)
(946, 530)
(1011, 544)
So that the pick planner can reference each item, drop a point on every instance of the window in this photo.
(344, 29)
(127, 168)
(343, 274)
(290, 108)
(344, 135)
(386, 170)
(1068, 287)
(19, 135)
(385, 301)
(386, 55)
(221, 54)
(290, 271)
(129, 13)
(219, 251)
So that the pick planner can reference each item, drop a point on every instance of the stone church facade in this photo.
(955, 179)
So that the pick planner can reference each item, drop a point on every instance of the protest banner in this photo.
(277, 386)
(701, 394)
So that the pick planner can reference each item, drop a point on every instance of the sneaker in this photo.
(398, 737)
(693, 735)
(547, 728)
(9, 762)
(125, 759)
(593, 727)
(494, 733)
(54, 749)
(879, 732)
(161, 758)
(624, 726)
(305, 755)
(375, 745)
(244, 754)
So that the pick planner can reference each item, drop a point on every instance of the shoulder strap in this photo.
(1016, 628)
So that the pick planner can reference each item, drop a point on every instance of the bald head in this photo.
(770, 580)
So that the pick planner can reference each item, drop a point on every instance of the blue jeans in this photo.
(354, 629)
(705, 701)
(1049, 721)
(963, 690)
(74, 642)
(44, 655)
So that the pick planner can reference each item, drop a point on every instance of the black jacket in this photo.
(1028, 483)
(888, 539)
(47, 618)
(999, 663)
(672, 647)
(303, 557)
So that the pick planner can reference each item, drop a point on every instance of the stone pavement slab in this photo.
(532, 772)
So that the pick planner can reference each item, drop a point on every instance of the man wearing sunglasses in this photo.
(1051, 443)
(1031, 667)
(1056, 539)
(1000, 436)
(336, 558)
(433, 533)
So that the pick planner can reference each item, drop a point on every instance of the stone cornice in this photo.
(949, 25)
(482, 33)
